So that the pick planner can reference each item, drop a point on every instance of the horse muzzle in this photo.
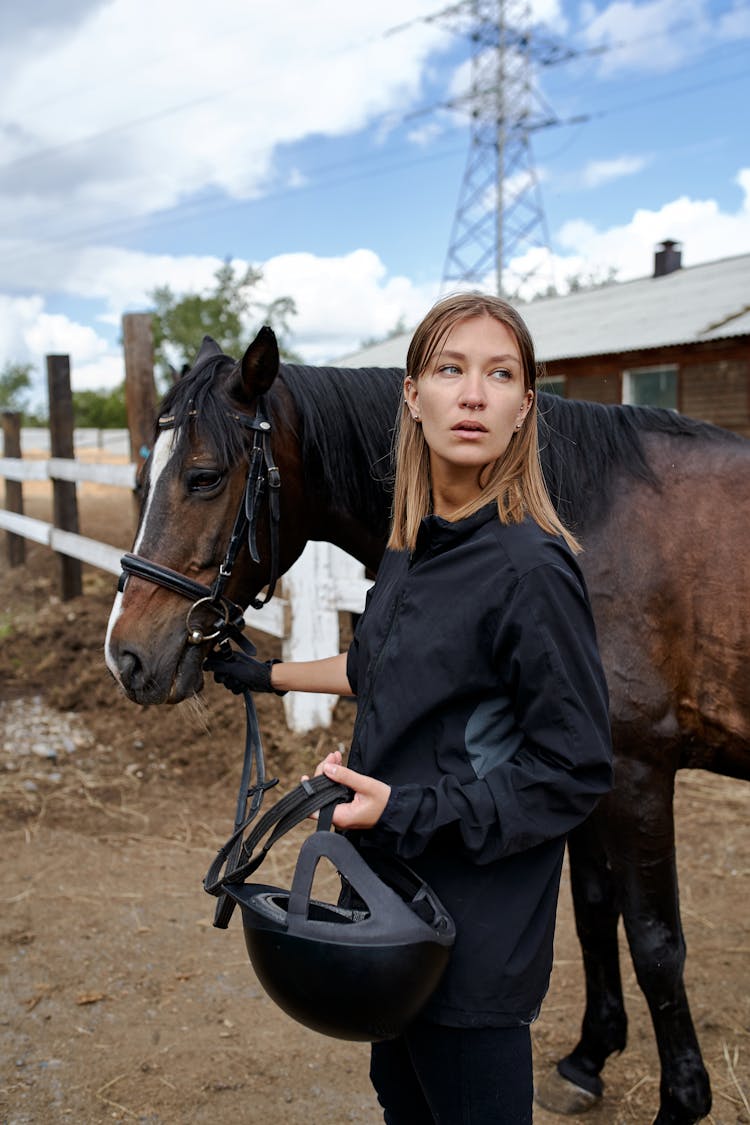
(146, 680)
(151, 654)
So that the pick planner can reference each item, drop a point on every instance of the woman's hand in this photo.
(237, 671)
(370, 795)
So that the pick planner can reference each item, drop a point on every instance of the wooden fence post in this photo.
(140, 389)
(13, 488)
(64, 500)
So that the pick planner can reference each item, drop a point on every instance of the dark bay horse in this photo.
(662, 505)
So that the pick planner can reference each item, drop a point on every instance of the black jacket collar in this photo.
(437, 534)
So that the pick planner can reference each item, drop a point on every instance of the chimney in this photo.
(668, 258)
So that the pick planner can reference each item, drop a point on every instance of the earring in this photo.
(417, 417)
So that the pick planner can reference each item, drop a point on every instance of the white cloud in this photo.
(54, 334)
(591, 255)
(549, 12)
(120, 278)
(705, 231)
(180, 109)
(657, 35)
(340, 301)
(598, 172)
(28, 334)
(734, 24)
(199, 108)
(343, 300)
(424, 134)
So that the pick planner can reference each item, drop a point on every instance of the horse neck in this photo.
(345, 419)
(342, 516)
(351, 536)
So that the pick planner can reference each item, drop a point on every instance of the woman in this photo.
(482, 733)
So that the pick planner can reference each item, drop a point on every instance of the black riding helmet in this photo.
(359, 973)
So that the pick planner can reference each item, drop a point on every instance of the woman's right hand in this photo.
(335, 758)
(239, 671)
(370, 795)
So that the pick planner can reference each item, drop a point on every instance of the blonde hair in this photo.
(515, 481)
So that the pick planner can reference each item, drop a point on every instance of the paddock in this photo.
(120, 1001)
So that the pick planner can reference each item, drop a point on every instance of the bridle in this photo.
(262, 477)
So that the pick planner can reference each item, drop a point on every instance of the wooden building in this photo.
(679, 339)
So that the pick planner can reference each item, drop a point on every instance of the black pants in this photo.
(434, 1075)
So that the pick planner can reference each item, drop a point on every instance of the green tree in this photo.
(102, 410)
(15, 382)
(595, 278)
(224, 311)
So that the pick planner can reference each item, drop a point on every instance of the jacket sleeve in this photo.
(548, 662)
(352, 656)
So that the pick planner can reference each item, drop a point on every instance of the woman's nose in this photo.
(472, 394)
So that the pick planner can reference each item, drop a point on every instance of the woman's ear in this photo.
(524, 409)
(411, 397)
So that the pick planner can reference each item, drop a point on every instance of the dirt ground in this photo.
(118, 999)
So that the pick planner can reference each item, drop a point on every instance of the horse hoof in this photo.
(559, 1095)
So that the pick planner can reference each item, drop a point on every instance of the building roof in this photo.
(691, 305)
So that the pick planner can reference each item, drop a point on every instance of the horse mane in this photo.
(347, 416)
(194, 396)
(346, 421)
(343, 418)
(586, 447)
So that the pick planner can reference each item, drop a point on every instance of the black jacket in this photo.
(482, 702)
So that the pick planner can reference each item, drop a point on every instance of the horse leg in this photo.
(642, 852)
(574, 1085)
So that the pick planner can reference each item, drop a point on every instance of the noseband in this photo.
(262, 476)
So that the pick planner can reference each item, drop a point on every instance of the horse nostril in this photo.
(130, 668)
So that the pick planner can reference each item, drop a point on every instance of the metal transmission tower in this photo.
(499, 215)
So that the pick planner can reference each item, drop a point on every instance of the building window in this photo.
(651, 386)
(553, 385)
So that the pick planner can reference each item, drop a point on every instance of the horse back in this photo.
(668, 571)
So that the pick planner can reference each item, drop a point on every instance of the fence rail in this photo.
(62, 468)
(114, 441)
(322, 583)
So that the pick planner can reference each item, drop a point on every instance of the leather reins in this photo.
(262, 476)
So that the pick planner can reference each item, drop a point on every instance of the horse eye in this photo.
(203, 480)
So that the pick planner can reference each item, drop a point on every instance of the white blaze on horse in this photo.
(662, 506)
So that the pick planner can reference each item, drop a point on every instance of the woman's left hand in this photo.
(370, 795)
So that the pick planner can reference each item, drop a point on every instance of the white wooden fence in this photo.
(305, 615)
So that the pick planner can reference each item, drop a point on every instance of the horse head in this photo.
(208, 530)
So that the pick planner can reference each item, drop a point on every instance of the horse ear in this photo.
(176, 375)
(208, 348)
(260, 364)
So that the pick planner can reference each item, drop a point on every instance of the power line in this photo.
(198, 209)
(556, 53)
(361, 169)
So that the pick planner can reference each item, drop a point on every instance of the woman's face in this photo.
(470, 400)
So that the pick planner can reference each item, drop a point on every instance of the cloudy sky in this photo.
(144, 141)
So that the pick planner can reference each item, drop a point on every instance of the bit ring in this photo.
(196, 636)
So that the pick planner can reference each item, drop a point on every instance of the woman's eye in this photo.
(501, 374)
(203, 480)
(448, 369)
